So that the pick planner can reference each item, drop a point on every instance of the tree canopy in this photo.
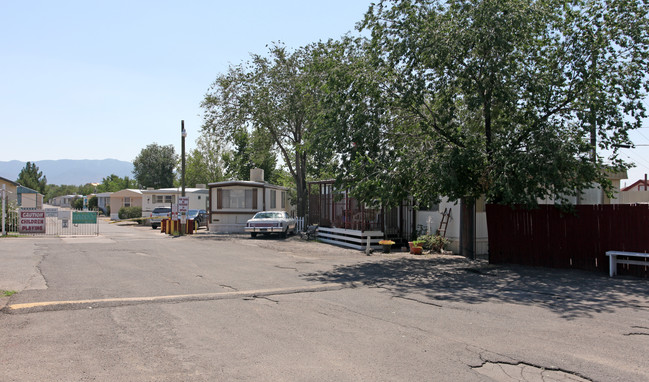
(204, 164)
(269, 95)
(509, 99)
(114, 183)
(154, 166)
(516, 100)
(31, 177)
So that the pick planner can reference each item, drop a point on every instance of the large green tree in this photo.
(512, 99)
(250, 150)
(154, 166)
(31, 177)
(59, 190)
(268, 94)
(114, 183)
(204, 164)
(353, 137)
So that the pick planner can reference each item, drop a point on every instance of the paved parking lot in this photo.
(133, 304)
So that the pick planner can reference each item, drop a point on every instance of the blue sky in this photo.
(103, 79)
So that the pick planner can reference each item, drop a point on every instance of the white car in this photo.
(268, 222)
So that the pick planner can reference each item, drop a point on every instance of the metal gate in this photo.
(51, 222)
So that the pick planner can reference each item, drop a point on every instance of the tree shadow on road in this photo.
(569, 293)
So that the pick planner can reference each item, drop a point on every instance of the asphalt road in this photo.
(135, 305)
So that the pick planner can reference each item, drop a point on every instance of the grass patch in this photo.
(8, 293)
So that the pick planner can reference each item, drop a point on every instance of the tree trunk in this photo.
(300, 184)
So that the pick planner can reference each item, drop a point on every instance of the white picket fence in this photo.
(300, 224)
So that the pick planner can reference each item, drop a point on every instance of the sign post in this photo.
(183, 208)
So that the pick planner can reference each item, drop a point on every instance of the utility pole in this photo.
(183, 134)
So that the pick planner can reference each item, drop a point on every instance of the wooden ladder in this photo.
(443, 224)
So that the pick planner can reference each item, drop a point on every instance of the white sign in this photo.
(183, 204)
(32, 221)
(174, 212)
(183, 207)
(52, 212)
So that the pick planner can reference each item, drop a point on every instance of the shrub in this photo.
(77, 204)
(434, 243)
(93, 203)
(130, 212)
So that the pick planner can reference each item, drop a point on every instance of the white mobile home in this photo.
(232, 203)
(165, 197)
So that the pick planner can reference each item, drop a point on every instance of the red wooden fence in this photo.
(548, 237)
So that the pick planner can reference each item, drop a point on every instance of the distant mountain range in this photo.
(71, 171)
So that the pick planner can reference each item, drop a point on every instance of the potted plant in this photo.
(387, 245)
(414, 248)
(419, 243)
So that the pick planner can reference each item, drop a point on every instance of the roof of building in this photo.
(634, 186)
(126, 191)
(176, 191)
(247, 183)
(26, 190)
(9, 181)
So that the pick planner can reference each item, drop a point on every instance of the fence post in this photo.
(367, 248)
(4, 207)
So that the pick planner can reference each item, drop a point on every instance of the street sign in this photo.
(183, 204)
(32, 221)
(52, 212)
(174, 212)
(183, 207)
(79, 217)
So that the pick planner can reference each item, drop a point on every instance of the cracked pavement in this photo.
(135, 305)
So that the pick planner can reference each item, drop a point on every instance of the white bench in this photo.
(613, 261)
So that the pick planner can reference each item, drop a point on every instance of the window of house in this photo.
(127, 201)
(240, 199)
(273, 199)
(166, 199)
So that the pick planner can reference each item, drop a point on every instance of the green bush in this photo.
(77, 204)
(130, 212)
(434, 243)
(93, 203)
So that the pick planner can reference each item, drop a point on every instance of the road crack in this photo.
(522, 371)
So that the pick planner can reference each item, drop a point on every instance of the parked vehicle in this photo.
(158, 214)
(268, 222)
(199, 216)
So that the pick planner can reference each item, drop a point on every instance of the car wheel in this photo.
(295, 230)
(285, 233)
(253, 234)
(154, 226)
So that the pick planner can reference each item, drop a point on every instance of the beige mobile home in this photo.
(124, 198)
(232, 203)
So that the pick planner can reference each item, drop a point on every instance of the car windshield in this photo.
(268, 215)
(192, 213)
(161, 210)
